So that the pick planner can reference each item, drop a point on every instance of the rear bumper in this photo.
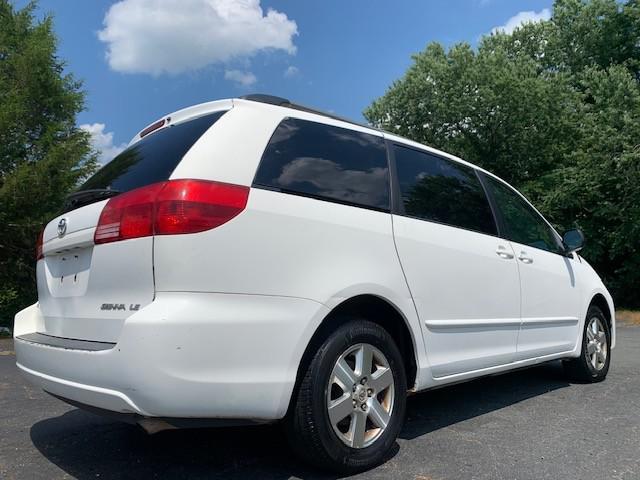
(185, 355)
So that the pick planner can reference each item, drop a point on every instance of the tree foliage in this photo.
(43, 154)
(553, 108)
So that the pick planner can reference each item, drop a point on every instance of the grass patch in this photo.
(628, 317)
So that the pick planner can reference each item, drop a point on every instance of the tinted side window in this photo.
(522, 223)
(153, 158)
(440, 190)
(326, 162)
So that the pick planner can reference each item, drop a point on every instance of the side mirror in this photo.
(573, 240)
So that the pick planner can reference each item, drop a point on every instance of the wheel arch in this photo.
(600, 301)
(375, 309)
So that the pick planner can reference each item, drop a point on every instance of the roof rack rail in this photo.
(270, 99)
(284, 102)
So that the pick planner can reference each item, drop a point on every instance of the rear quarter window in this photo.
(153, 158)
(443, 191)
(326, 162)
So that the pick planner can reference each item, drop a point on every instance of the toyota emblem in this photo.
(62, 227)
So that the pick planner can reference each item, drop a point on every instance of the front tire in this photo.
(593, 363)
(350, 405)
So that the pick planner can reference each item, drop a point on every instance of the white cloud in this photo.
(103, 142)
(291, 71)
(243, 79)
(521, 18)
(173, 36)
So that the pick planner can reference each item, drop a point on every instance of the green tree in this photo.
(553, 108)
(43, 154)
(595, 33)
(597, 186)
(489, 106)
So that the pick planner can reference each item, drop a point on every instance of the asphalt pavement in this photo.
(530, 424)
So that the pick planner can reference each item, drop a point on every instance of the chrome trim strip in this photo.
(66, 343)
(557, 321)
(486, 323)
(489, 323)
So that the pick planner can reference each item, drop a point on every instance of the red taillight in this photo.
(189, 206)
(168, 208)
(129, 215)
(39, 243)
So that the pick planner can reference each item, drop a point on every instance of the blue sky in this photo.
(334, 55)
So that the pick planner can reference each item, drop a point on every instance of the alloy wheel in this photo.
(597, 347)
(360, 395)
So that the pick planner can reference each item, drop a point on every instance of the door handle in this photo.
(524, 259)
(503, 253)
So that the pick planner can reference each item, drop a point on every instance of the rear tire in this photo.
(593, 363)
(350, 404)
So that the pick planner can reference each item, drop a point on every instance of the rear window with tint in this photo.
(443, 191)
(153, 158)
(326, 162)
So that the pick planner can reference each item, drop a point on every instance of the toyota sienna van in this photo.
(251, 261)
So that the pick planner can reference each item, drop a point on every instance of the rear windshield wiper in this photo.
(85, 197)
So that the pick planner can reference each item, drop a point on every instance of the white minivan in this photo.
(252, 260)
